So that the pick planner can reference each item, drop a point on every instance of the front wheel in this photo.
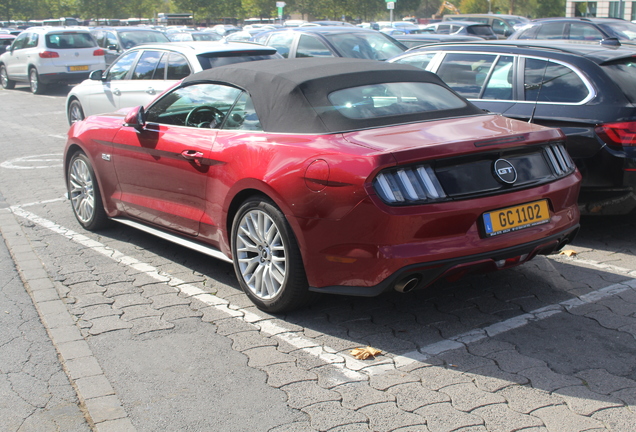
(75, 112)
(34, 81)
(266, 258)
(84, 194)
(4, 79)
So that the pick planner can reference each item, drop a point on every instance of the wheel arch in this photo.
(70, 99)
(248, 192)
(71, 150)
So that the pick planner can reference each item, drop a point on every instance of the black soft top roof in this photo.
(290, 96)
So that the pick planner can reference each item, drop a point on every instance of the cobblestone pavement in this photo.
(35, 393)
(547, 346)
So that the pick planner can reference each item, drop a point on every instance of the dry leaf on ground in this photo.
(568, 252)
(365, 353)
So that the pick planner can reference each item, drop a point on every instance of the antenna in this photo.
(528, 87)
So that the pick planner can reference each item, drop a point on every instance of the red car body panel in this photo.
(322, 183)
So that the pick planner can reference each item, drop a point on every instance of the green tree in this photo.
(141, 8)
(474, 6)
(260, 8)
(195, 7)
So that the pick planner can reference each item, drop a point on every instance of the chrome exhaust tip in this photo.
(407, 284)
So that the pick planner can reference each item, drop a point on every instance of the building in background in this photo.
(601, 9)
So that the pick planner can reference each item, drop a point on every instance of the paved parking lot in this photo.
(157, 337)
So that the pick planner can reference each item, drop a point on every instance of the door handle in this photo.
(191, 154)
(150, 90)
(116, 92)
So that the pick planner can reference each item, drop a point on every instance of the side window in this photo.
(443, 29)
(20, 41)
(198, 105)
(160, 72)
(120, 68)
(309, 46)
(178, 67)
(418, 60)
(551, 31)
(111, 40)
(582, 31)
(32, 41)
(282, 42)
(466, 73)
(501, 28)
(146, 65)
(551, 82)
(99, 37)
(243, 116)
(499, 85)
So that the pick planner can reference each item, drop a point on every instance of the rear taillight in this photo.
(412, 185)
(617, 134)
(49, 54)
(99, 52)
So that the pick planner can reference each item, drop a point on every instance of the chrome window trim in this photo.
(436, 62)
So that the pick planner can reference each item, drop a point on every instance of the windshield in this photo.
(372, 46)
(132, 38)
(393, 99)
(622, 30)
(622, 73)
(68, 40)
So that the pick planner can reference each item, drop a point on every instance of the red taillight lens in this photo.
(49, 54)
(99, 52)
(618, 134)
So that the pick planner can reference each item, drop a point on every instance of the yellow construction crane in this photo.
(445, 5)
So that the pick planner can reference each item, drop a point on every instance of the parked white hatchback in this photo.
(43, 56)
(145, 71)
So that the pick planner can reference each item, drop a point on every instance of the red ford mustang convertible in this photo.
(327, 175)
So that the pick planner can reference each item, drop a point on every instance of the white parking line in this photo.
(350, 367)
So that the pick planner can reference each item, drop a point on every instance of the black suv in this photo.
(583, 29)
(115, 40)
(586, 89)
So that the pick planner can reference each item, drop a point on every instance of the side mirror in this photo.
(96, 75)
(113, 47)
(135, 118)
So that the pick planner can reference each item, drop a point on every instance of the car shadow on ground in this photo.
(567, 348)
(53, 90)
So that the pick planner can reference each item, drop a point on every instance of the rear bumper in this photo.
(419, 276)
(64, 77)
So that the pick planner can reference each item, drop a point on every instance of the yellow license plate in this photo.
(515, 218)
(77, 68)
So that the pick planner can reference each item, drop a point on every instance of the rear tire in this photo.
(266, 258)
(83, 191)
(4, 79)
(75, 112)
(34, 81)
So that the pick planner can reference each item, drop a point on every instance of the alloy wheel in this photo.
(81, 191)
(262, 254)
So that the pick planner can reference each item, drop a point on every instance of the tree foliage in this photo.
(363, 10)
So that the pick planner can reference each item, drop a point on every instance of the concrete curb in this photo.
(99, 403)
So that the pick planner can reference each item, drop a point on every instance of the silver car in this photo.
(145, 71)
